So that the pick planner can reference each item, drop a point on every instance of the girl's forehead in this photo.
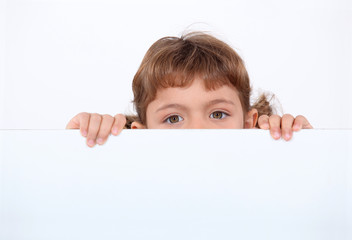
(194, 98)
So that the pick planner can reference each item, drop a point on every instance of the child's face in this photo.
(195, 107)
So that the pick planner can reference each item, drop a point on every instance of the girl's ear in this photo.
(251, 118)
(137, 125)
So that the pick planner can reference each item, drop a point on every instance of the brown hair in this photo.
(176, 62)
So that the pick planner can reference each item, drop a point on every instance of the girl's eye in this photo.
(218, 115)
(174, 119)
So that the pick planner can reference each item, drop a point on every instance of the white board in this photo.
(176, 184)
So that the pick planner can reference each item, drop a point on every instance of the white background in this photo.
(62, 57)
(185, 184)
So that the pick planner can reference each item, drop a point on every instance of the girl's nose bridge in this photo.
(198, 123)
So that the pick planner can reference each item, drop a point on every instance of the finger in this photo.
(93, 129)
(275, 123)
(286, 126)
(301, 123)
(80, 121)
(263, 122)
(119, 123)
(105, 128)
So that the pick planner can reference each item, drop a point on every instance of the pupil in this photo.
(174, 119)
(218, 115)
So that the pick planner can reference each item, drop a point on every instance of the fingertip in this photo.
(100, 141)
(275, 134)
(287, 137)
(296, 127)
(115, 131)
(263, 122)
(84, 133)
(119, 131)
(91, 143)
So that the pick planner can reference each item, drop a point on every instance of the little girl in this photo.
(195, 81)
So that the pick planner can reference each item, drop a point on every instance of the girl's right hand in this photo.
(96, 127)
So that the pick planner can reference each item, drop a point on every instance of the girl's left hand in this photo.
(283, 126)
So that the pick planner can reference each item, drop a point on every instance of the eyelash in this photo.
(224, 115)
(167, 120)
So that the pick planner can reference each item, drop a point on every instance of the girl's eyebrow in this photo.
(220, 100)
(172, 105)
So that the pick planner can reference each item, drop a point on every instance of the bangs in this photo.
(179, 64)
(184, 78)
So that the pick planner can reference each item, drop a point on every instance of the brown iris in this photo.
(174, 119)
(217, 115)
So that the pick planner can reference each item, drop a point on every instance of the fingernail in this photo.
(276, 135)
(91, 143)
(100, 141)
(114, 130)
(84, 133)
(265, 126)
(287, 136)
